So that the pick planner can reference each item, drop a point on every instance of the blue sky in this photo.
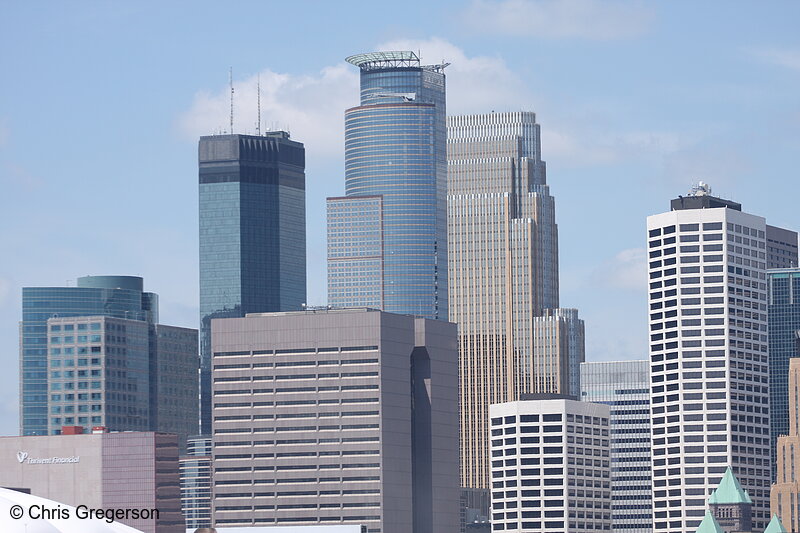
(101, 104)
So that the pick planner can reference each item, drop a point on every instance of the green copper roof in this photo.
(729, 491)
(709, 525)
(775, 526)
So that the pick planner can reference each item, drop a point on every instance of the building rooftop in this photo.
(775, 526)
(547, 396)
(729, 491)
(699, 197)
(390, 59)
(709, 525)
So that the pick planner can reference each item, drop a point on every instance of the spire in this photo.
(775, 526)
(709, 525)
(729, 491)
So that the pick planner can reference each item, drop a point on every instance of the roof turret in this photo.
(729, 491)
(775, 526)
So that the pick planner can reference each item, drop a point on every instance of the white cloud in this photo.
(576, 146)
(782, 57)
(555, 19)
(626, 270)
(310, 106)
(475, 84)
(17, 176)
(5, 289)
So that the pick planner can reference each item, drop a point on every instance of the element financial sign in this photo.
(22, 457)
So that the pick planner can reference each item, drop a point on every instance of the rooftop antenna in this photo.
(230, 81)
(258, 99)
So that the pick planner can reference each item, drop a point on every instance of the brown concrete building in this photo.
(130, 470)
(785, 493)
(342, 416)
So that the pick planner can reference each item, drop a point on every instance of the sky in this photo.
(102, 104)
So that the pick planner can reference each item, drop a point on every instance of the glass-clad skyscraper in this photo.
(387, 237)
(783, 323)
(252, 233)
(101, 359)
(113, 296)
(625, 387)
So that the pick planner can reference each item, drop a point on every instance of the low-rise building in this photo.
(135, 472)
(550, 465)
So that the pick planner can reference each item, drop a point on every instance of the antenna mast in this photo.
(230, 81)
(258, 98)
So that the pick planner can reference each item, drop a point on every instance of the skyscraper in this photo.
(342, 416)
(625, 387)
(503, 276)
(107, 363)
(387, 237)
(252, 233)
(114, 296)
(783, 316)
(708, 351)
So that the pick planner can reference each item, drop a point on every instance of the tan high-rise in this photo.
(785, 494)
(503, 272)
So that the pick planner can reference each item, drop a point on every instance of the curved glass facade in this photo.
(395, 154)
(114, 296)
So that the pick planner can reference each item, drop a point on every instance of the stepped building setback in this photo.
(503, 278)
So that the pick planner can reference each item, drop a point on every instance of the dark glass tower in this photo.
(387, 237)
(252, 233)
(783, 324)
(112, 296)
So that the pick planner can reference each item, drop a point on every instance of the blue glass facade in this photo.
(625, 387)
(783, 323)
(252, 233)
(114, 296)
(391, 251)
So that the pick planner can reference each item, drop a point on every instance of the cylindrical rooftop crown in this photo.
(376, 60)
(133, 283)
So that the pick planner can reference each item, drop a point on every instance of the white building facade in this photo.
(550, 465)
(708, 351)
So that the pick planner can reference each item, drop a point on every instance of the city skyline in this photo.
(594, 165)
